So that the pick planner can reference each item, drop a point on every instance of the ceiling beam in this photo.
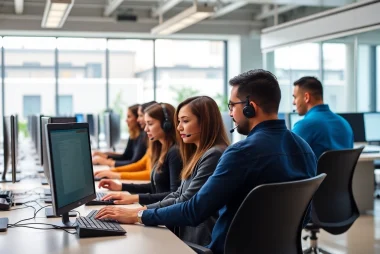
(166, 6)
(273, 12)
(112, 6)
(229, 8)
(19, 6)
(325, 3)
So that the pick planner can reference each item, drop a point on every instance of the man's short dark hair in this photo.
(261, 86)
(312, 85)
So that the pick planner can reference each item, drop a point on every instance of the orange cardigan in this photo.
(139, 170)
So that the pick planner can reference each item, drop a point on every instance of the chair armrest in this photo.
(198, 249)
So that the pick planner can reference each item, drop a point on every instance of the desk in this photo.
(139, 239)
(363, 181)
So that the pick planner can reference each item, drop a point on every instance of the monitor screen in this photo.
(79, 118)
(356, 120)
(70, 164)
(293, 119)
(9, 142)
(372, 123)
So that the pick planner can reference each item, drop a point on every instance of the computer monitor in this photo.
(70, 166)
(9, 132)
(93, 124)
(80, 118)
(33, 130)
(356, 120)
(228, 123)
(39, 140)
(372, 124)
(112, 129)
(293, 119)
(44, 121)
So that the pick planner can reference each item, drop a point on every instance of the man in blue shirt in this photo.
(322, 129)
(269, 154)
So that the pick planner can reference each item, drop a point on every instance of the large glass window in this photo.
(187, 68)
(292, 63)
(82, 74)
(29, 74)
(130, 75)
(378, 78)
(364, 78)
(334, 73)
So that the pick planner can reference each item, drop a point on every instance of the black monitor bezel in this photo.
(65, 209)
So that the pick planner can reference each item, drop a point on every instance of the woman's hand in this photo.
(100, 154)
(98, 160)
(110, 184)
(107, 174)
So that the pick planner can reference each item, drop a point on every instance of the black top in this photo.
(135, 150)
(162, 183)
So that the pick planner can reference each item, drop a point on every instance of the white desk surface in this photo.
(139, 239)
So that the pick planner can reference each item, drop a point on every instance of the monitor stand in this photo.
(50, 213)
(66, 223)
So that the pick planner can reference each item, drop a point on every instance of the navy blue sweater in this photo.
(324, 130)
(269, 154)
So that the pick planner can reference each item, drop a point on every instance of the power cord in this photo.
(26, 225)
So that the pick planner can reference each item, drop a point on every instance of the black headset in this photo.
(249, 110)
(166, 124)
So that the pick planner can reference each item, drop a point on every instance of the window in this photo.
(29, 64)
(131, 75)
(378, 78)
(334, 69)
(364, 79)
(65, 105)
(290, 64)
(82, 68)
(183, 73)
(31, 105)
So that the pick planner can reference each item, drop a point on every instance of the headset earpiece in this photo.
(166, 124)
(248, 110)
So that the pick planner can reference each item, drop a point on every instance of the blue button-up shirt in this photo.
(324, 130)
(269, 154)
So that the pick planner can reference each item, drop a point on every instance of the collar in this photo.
(269, 124)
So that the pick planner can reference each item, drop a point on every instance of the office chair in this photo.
(333, 206)
(270, 219)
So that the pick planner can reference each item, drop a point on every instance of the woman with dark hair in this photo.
(204, 139)
(140, 170)
(136, 146)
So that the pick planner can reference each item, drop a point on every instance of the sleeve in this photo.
(127, 155)
(138, 150)
(223, 185)
(204, 170)
(174, 164)
(137, 188)
(134, 167)
(139, 175)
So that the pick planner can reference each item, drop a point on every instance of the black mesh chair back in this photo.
(334, 207)
(270, 218)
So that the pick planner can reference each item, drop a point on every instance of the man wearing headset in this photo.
(269, 154)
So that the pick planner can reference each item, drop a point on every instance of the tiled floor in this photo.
(362, 238)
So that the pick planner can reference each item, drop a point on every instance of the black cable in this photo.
(36, 223)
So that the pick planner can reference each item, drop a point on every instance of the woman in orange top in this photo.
(139, 170)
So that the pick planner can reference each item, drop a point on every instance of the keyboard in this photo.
(98, 200)
(90, 227)
(5, 194)
(6, 200)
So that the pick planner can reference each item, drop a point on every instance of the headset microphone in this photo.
(189, 135)
(233, 129)
(152, 138)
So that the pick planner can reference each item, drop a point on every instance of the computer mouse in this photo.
(4, 204)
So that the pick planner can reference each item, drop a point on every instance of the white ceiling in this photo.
(231, 16)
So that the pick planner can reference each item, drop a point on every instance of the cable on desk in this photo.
(26, 225)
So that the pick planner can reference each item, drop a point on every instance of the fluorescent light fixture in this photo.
(56, 12)
(187, 18)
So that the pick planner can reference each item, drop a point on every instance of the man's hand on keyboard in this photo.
(121, 198)
(122, 215)
(107, 173)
